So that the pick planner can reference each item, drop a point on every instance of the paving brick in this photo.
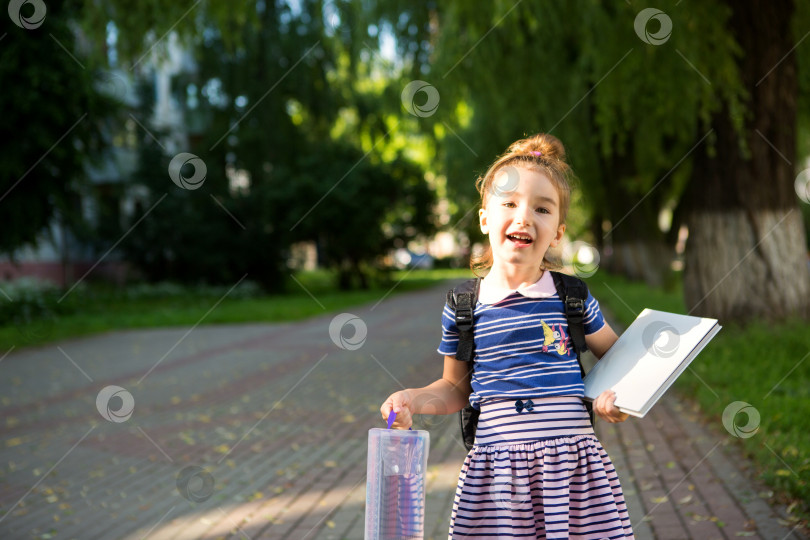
(279, 416)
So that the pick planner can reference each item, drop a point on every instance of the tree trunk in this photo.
(738, 266)
(638, 249)
(745, 257)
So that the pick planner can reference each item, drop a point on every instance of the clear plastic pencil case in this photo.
(395, 483)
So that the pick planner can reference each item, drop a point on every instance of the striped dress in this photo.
(537, 470)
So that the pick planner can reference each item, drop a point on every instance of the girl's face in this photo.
(521, 217)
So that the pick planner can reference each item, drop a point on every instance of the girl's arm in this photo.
(447, 395)
(598, 343)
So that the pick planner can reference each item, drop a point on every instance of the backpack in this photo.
(462, 300)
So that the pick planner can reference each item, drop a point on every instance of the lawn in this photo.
(100, 308)
(765, 365)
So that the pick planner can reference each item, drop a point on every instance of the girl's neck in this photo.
(513, 277)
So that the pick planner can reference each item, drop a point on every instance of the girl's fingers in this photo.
(397, 402)
(604, 405)
(404, 420)
(386, 408)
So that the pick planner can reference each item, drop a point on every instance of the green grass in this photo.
(766, 365)
(99, 308)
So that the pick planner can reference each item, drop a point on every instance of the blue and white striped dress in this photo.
(537, 470)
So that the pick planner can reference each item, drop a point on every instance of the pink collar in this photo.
(542, 288)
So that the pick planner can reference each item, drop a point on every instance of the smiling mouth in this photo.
(520, 239)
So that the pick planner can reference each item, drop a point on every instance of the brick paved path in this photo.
(264, 429)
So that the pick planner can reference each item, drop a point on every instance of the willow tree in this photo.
(746, 255)
(647, 102)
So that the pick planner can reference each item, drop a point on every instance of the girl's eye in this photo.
(543, 210)
(509, 204)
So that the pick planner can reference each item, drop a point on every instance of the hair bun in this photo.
(540, 145)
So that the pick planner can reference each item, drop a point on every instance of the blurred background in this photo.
(162, 155)
(347, 136)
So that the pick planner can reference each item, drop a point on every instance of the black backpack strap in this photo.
(574, 293)
(462, 300)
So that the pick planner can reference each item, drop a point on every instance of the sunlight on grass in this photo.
(763, 364)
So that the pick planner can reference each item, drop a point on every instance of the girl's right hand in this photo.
(400, 403)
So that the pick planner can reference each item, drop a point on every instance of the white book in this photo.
(647, 358)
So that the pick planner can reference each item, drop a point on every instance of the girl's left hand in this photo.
(604, 406)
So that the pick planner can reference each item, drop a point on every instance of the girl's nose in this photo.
(523, 216)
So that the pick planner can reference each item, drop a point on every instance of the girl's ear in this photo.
(482, 221)
(558, 238)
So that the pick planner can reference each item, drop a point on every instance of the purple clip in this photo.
(536, 153)
(391, 417)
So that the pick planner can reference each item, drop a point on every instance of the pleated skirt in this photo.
(538, 471)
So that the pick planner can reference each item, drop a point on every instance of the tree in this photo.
(746, 256)
(642, 117)
(51, 125)
(375, 208)
(275, 106)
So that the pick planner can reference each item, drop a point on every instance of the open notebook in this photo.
(648, 357)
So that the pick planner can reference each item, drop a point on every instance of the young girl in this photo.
(537, 469)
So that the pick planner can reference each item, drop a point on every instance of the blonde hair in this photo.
(543, 153)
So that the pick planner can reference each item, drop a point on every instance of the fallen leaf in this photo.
(14, 442)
